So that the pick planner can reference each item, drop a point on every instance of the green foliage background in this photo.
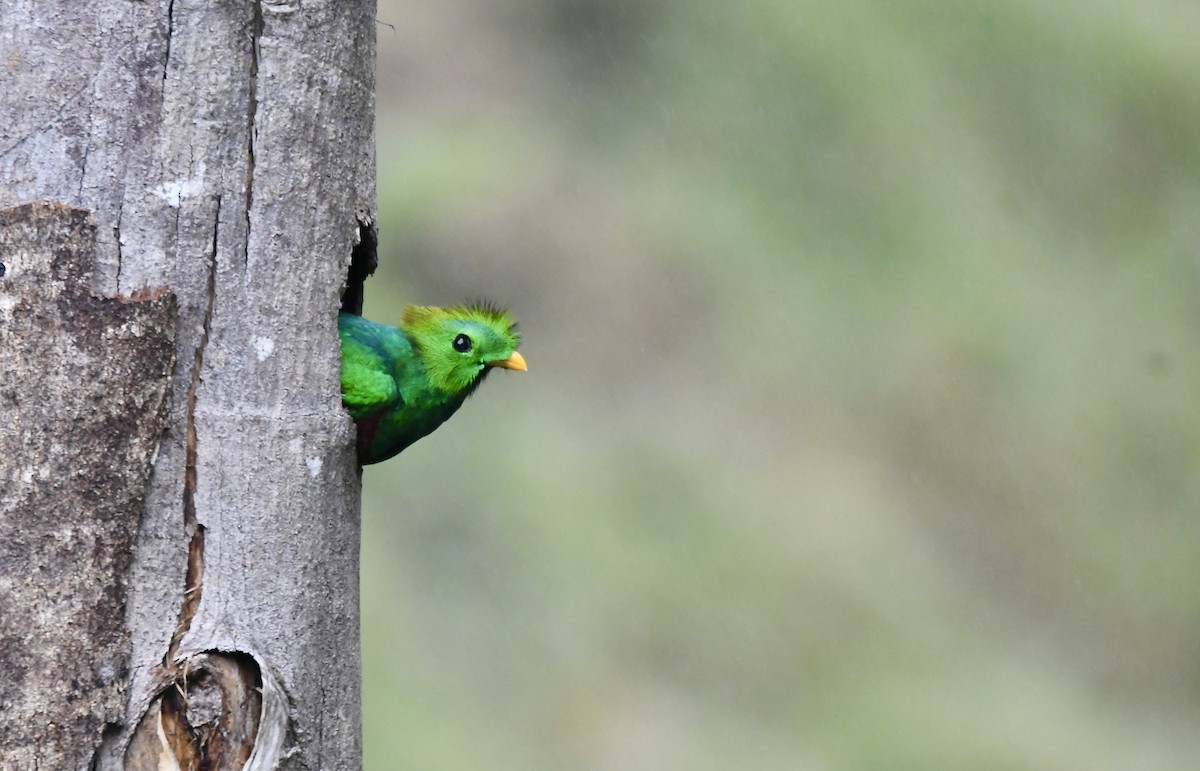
(861, 424)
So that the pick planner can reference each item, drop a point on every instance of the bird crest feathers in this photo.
(484, 311)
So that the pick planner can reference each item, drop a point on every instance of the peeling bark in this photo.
(82, 409)
(224, 150)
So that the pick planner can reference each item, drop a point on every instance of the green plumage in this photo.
(400, 383)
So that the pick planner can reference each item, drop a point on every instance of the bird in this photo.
(401, 383)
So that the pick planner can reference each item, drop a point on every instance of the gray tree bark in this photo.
(197, 607)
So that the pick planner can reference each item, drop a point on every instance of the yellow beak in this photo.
(516, 361)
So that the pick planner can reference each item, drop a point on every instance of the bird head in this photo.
(458, 345)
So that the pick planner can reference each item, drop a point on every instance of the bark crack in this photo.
(87, 150)
(194, 580)
(256, 31)
(170, 34)
(117, 238)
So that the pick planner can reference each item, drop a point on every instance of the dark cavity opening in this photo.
(364, 258)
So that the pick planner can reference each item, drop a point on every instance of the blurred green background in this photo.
(861, 424)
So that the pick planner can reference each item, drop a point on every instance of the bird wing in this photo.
(368, 385)
(367, 388)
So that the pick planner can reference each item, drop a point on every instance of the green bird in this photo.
(400, 383)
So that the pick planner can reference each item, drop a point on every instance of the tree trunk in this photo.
(197, 607)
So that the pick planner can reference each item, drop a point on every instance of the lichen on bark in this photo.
(83, 391)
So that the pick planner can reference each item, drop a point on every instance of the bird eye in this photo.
(462, 343)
